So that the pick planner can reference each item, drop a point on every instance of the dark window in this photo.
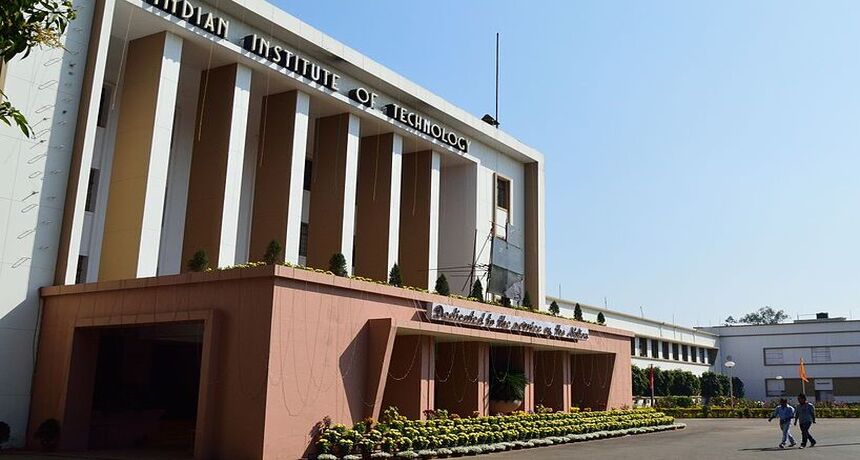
(675, 351)
(633, 347)
(654, 348)
(81, 273)
(104, 102)
(643, 347)
(92, 190)
(686, 351)
(309, 168)
(303, 240)
(503, 193)
(665, 350)
(701, 355)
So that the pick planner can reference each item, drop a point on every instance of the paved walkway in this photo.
(710, 439)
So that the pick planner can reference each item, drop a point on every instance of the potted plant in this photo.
(506, 392)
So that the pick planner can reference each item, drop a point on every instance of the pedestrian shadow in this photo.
(777, 449)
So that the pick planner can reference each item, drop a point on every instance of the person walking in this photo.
(784, 413)
(806, 417)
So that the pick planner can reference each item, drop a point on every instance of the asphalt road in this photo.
(707, 439)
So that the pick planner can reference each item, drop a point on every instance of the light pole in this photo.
(729, 365)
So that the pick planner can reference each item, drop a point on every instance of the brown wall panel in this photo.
(414, 253)
(373, 206)
(209, 164)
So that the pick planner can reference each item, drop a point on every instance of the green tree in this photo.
(394, 277)
(640, 382)
(662, 382)
(553, 308)
(337, 264)
(683, 383)
(199, 262)
(442, 287)
(600, 318)
(477, 291)
(577, 312)
(738, 387)
(764, 315)
(24, 25)
(724, 384)
(273, 253)
(710, 386)
(527, 301)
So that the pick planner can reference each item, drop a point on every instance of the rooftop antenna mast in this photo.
(497, 79)
(487, 118)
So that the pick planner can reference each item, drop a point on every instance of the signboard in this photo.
(505, 323)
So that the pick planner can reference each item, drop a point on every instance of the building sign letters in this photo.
(310, 70)
(184, 10)
(505, 323)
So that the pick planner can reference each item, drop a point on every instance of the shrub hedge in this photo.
(753, 412)
(449, 436)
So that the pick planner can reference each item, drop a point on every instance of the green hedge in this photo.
(752, 412)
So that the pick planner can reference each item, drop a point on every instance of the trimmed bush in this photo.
(553, 308)
(199, 262)
(577, 312)
(394, 277)
(477, 291)
(337, 264)
(273, 253)
(600, 318)
(442, 287)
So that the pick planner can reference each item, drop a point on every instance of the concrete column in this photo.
(214, 189)
(649, 344)
(552, 379)
(85, 138)
(534, 232)
(462, 377)
(138, 179)
(410, 385)
(278, 190)
(331, 224)
(419, 218)
(377, 223)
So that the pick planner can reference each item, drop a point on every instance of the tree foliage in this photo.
(553, 308)
(764, 315)
(199, 262)
(738, 387)
(394, 277)
(337, 264)
(641, 386)
(273, 253)
(477, 291)
(24, 25)
(711, 386)
(600, 318)
(527, 301)
(442, 287)
(577, 312)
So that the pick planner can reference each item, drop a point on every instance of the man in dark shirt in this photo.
(806, 417)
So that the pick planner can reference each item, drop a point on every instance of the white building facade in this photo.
(165, 127)
(659, 344)
(767, 358)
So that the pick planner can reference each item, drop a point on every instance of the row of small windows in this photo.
(667, 350)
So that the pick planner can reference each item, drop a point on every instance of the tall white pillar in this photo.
(433, 246)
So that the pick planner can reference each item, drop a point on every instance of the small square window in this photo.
(309, 168)
(503, 193)
(92, 190)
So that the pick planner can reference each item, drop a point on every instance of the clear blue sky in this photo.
(703, 159)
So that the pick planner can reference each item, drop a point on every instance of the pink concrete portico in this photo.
(283, 347)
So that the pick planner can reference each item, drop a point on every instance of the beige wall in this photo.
(204, 211)
(130, 190)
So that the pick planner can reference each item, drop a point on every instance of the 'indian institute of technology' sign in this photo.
(312, 71)
(504, 323)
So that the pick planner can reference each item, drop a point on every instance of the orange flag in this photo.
(803, 375)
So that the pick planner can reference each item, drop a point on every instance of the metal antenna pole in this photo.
(497, 79)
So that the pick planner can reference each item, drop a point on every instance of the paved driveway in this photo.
(709, 439)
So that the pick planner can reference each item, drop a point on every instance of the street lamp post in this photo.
(729, 365)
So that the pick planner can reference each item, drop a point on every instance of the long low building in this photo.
(170, 135)
(655, 343)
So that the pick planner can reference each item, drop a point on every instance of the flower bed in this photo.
(444, 436)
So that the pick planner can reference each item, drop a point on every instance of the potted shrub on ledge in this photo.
(506, 392)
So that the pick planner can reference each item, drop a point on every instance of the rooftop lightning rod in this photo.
(487, 118)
